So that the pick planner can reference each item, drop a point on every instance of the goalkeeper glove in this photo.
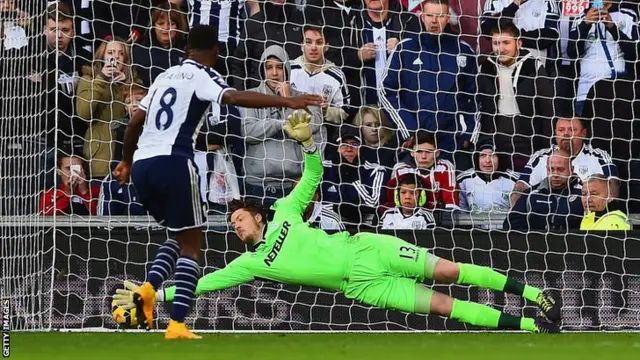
(124, 297)
(298, 127)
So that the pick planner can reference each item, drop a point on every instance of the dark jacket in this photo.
(416, 99)
(151, 59)
(400, 24)
(534, 96)
(353, 188)
(63, 83)
(273, 25)
(545, 209)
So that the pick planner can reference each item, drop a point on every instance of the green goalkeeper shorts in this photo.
(385, 271)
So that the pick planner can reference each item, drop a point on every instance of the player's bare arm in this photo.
(131, 135)
(252, 99)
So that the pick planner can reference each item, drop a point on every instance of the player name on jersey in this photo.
(278, 244)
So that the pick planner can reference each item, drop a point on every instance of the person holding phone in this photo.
(100, 99)
(74, 195)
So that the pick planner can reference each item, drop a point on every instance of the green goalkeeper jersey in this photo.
(291, 251)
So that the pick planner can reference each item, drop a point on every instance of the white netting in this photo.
(387, 68)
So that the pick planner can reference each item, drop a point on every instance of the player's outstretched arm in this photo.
(238, 272)
(131, 136)
(252, 99)
(298, 127)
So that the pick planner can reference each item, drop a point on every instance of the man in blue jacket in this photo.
(430, 82)
(554, 204)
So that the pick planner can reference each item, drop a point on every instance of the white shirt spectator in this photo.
(597, 63)
(421, 219)
(588, 162)
(329, 81)
(479, 195)
(324, 215)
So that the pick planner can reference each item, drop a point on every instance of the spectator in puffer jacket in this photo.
(555, 204)
(273, 161)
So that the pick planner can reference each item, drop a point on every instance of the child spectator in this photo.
(486, 187)
(379, 141)
(409, 196)
(116, 199)
(75, 195)
(132, 98)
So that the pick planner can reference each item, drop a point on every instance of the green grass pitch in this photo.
(428, 346)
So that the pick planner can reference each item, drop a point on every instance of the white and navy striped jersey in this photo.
(532, 15)
(588, 162)
(421, 219)
(226, 15)
(324, 216)
(603, 55)
(329, 82)
(175, 107)
(477, 194)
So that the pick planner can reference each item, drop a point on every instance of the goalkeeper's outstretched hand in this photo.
(124, 297)
(298, 127)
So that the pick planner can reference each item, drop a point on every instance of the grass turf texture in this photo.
(476, 346)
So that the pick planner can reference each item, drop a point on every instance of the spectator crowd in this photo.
(432, 108)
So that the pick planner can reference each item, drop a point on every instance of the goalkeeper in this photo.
(378, 270)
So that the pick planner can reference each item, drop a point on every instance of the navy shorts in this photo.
(169, 188)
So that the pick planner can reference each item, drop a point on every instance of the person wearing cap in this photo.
(409, 197)
(486, 187)
(602, 209)
(354, 188)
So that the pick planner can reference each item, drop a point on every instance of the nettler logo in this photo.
(6, 327)
(278, 245)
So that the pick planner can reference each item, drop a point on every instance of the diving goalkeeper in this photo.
(377, 270)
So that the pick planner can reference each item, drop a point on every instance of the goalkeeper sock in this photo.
(187, 275)
(485, 316)
(164, 263)
(490, 279)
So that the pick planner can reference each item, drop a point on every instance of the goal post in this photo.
(60, 271)
(25, 266)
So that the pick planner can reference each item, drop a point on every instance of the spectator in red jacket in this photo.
(75, 195)
(438, 174)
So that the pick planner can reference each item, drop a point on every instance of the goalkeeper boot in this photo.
(546, 327)
(179, 331)
(549, 306)
(144, 298)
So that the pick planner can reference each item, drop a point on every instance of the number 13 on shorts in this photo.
(408, 252)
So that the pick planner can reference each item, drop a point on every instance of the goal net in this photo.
(73, 72)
